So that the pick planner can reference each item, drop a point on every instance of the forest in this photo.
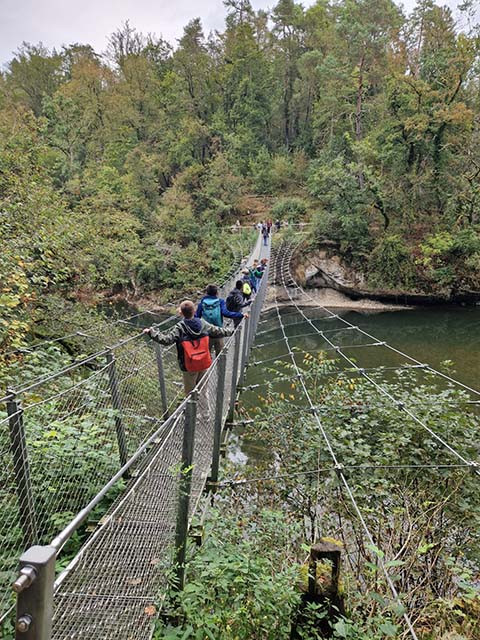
(127, 163)
(122, 173)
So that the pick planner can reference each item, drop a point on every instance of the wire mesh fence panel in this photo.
(112, 588)
(140, 401)
(11, 533)
(60, 455)
(73, 450)
(204, 429)
(78, 429)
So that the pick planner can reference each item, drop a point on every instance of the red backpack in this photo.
(196, 352)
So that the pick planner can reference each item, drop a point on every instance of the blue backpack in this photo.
(212, 312)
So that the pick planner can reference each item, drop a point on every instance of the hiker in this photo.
(269, 226)
(249, 278)
(278, 224)
(246, 286)
(213, 309)
(265, 235)
(192, 337)
(257, 273)
(236, 301)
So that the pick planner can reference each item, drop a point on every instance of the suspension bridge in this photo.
(149, 455)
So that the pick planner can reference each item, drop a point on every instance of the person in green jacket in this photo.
(256, 272)
(189, 328)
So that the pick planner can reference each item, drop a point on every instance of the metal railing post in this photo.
(218, 424)
(161, 378)
(185, 487)
(117, 405)
(34, 589)
(236, 362)
(21, 467)
(243, 357)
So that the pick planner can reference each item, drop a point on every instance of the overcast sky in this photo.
(57, 22)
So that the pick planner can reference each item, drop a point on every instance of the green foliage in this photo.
(260, 169)
(373, 112)
(279, 173)
(291, 209)
(344, 214)
(450, 259)
(437, 245)
(391, 264)
(363, 431)
(237, 588)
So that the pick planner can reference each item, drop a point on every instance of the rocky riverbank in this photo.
(329, 279)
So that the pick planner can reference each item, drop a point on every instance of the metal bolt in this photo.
(24, 623)
(25, 579)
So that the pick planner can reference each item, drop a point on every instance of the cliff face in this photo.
(325, 269)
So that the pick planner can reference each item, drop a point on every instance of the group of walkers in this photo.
(267, 227)
(201, 332)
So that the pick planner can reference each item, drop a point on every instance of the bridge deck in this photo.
(111, 588)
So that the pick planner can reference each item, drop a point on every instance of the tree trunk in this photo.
(358, 112)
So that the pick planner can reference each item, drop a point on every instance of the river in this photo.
(430, 335)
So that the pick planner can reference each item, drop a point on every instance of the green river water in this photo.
(430, 335)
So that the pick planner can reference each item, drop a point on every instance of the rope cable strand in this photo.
(369, 335)
(340, 474)
(398, 404)
(234, 482)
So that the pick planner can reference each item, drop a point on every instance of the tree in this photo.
(34, 73)
(288, 29)
(368, 28)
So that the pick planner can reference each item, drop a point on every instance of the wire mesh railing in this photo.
(111, 587)
(434, 445)
(59, 355)
(73, 447)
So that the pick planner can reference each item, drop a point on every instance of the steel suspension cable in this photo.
(399, 405)
(388, 346)
(342, 478)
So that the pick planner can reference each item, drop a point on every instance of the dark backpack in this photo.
(212, 312)
(234, 301)
(194, 353)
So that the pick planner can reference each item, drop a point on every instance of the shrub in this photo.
(292, 209)
(436, 245)
(261, 171)
(237, 588)
(391, 264)
(345, 204)
(466, 242)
